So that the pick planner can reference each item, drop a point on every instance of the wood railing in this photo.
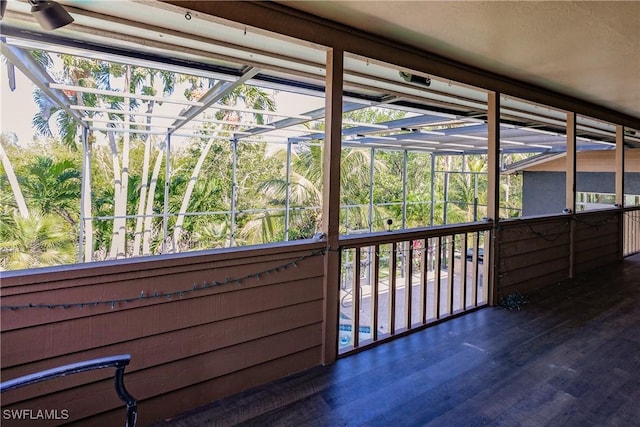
(631, 231)
(393, 282)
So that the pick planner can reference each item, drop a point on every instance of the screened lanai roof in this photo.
(439, 117)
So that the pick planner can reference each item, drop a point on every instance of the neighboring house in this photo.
(543, 183)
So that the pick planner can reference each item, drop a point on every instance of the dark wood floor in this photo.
(570, 358)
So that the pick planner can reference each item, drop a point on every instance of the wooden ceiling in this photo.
(590, 50)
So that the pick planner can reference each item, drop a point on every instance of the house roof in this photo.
(586, 161)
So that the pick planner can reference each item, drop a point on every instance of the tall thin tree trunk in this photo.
(86, 186)
(120, 191)
(144, 184)
(177, 230)
(13, 182)
(124, 193)
(117, 185)
(148, 219)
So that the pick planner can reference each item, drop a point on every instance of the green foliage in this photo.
(53, 186)
(49, 174)
(37, 241)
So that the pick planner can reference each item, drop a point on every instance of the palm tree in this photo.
(468, 189)
(77, 72)
(418, 189)
(305, 198)
(145, 203)
(305, 193)
(247, 96)
(53, 186)
(214, 234)
(305, 189)
(98, 74)
(136, 80)
(147, 232)
(37, 241)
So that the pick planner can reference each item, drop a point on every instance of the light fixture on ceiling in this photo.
(412, 78)
(49, 14)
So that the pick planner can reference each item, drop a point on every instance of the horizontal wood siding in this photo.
(202, 393)
(187, 349)
(532, 253)
(536, 252)
(597, 239)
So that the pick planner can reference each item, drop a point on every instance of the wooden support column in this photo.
(493, 192)
(620, 165)
(331, 203)
(570, 186)
(570, 192)
(493, 154)
(620, 186)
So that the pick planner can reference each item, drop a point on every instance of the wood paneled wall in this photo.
(532, 253)
(186, 350)
(597, 240)
(537, 252)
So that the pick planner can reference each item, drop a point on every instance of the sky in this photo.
(16, 108)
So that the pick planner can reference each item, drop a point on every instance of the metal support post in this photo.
(475, 196)
(433, 202)
(234, 190)
(371, 172)
(85, 250)
(446, 198)
(287, 202)
(165, 210)
(405, 160)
